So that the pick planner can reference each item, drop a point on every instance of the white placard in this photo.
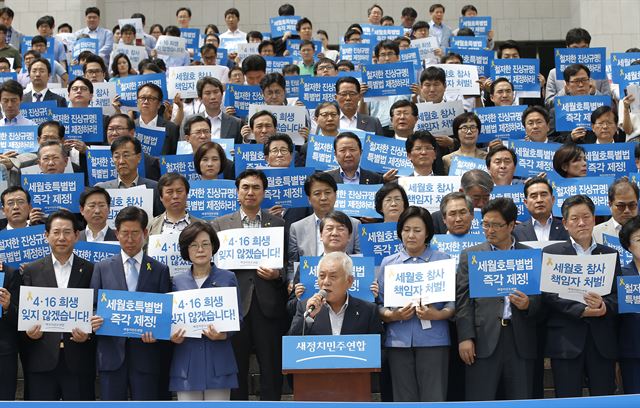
(249, 248)
(194, 310)
(428, 191)
(103, 94)
(184, 79)
(135, 22)
(136, 53)
(57, 310)
(437, 118)
(426, 47)
(246, 49)
(290, 119)
(539, 244)
(634, 89)
(462, 80)
(424, 283)
(171, 46)
(164, 248)
(139, 196)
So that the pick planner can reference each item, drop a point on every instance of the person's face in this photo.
(39, 75)
(501, 168)
(5, 19)
(326, 69)
(274, 94)
(128, 37)
(267, 51)
(453, 60)
(305, 32)
(634, 244)
(387, 22)
(539, 201)
(468, 133)
(579, 223)
(211, 97)
(45, 30)
(356, 38)
(4, 67)
(28, 59)
(407, 21)
(61, 237)
(502, 94)
(433, 91)
(123, 66)
(201, 249)
(117, 35)
(210, 165)
(126, 161)
(10, 104)
(496, 229)
(131, 237)
(183, 19)
(334, 280)
(403, 120)
(577, 167)
(578, 84)
(156, 32)
(322, 198)
(328, 119)
(323, 38)
(209, 57)
(232, 21)
(478, 195)
(581, 44)
(80, 96)
(174, 197)
(404, 45)
(278, 154)
(414, 235)
(510, 53)
(92, 20)
(470, 13)
(438, 15)
(605, 128)
(536, 127)
(254, 77)
(236, 77)
(334, 236)
(348, 98)
(624, 205)
(375, 16)
(263, 128)
(49, 132)
(118, 127)
(52, 160)
(348, 154)
(64, 30)
(212, 40)
(251, 193)
(40, 47)
(392, 206)
(306, 52)
(149, 102)
(387, 56)
(94, 72)
(16, 208)
(421, 33)
(199, 134)
(422, 154)
(95, 210)
(457, 217)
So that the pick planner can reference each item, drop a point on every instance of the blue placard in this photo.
(628, 76)
(521, 72)
(324, 352)
(595, 187)
(379, 240)
(95, 252)
(293, 46)
(533, 157)
(5, 76)
(593, 58)
(516, 193)
(280, 25)
(38, 112)
(127, 87)
(181, 163)
(209, 199)
(357, 200)
(619, 60)
(501, 122)
(152, 140)
(635, 178)
(25, 45)
(80, 123)
(276, 64)
(493, 274)
(249, 156)
(20, 139)
(381, 33)
(381, 154)
(320, 155)
(481, 25)
(314, 90)
(75, 71)
(476, 223)
(1, 281)
(614, 242)
(358, 54)
(222, 57)
(23, 245)
(628, 294)
(292, 83)
(85, 44)
(388, 79)
(611, 159)
(286, 187)
(462, 164)
(101, 168)
(51, 192)
(192, 35)
(411, 55)
(241, 96)
(149, 312)
(468, 43)
(575, 111)
(453, 245)
(480, 58)
(363, 276)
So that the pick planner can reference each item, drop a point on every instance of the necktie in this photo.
(132, 275)
(38, 96)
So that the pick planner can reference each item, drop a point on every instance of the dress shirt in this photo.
(105, 39)
(121, 184)
(42, 93)
(248, 223)
(350, 180)
(442, 32)
(216, 124)
(506, 311)
(62, 270)
(17, 121)
(153, 123)
(337, 319)
(99, 237)
(178, 226)
(582, 251)
(137, 257)
(233, 34)
(348, 123)
(542, 231)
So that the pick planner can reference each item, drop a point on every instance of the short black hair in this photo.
(346, 63)
(61, 214)
(302, 21)
(323, 61)
(387, 45)
(189, 234)
(286, 10)
(89, 191)
(403, 103)
(97, 59)
(92, 10)
(53, 123)
(468, 7)
(507, 45)
(423, 136)
(385, 190)
(193, 120)
(283, 137)
(498, 149)
(38, 39)
(266, 43)
(169, 178)
(252, 173)
(130, 123)
(273, 78)
(84, 81)
(254, 34)
(577, 200)
(123, 140)
(254, 63)
(627, 230)
(204, 149)
(409, 12)
(260, 114)
(492, 88)
(577, 35)
(13, 87)
(434, 74)
(319, 177)
(463, 118)
(535, 109)
(350, 32)
(503, 205)
(202, 82)
(536, 180)
(140, 16)
(65, 25)
(347, 135)
(187, 9)
(13, 189)
(127, 28)
(423, 214)
(153, 86)
(340, 218)
(132, 213)
(233, 11)
(573, 69)
(436, 6)
(603, 110)
(347, 80)
(48, 20)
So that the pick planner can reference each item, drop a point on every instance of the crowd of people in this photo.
(467, 349)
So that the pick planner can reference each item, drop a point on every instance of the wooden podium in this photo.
(348, 384)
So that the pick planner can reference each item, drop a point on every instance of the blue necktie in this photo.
(132, 275)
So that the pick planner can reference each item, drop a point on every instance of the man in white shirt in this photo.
(539, 199)
(95, 203)
(16, 206)
(623, 201)
(10, 98)
(232, 18)
(104, 36)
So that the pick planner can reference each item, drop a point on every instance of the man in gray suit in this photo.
(95, 203)
(348, 97)
(497, 336)
(262, 295)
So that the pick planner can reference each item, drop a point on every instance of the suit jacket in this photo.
(109, 236)
(172, 135)
(158, 207)
(109, 274)
(369, 124)
(525, 231)
(366, 176)
(629, 338)
(42, 355)
(229, 128)
(360, 317)
(151, 167)
(271, 294)
(9, 320)
(479, 319)
(155, 227)
(608, 227)
(439, 227)
(566, 330)
(48, 96)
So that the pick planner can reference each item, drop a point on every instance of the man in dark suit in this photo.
(497, 336)
(348, 150)
(9, 294)
(582, 340)
(150, 98)
(59, 365)
(122, 125)
(262, 294)
(335, 276)
(348, 97)
(138, 364)
(39, 72)
(94, 207)
(539, 199)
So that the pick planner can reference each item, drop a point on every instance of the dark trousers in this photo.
(8, 376)
(630, 368)
(60, 383)
(264, 336)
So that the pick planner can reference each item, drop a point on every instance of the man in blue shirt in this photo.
(104, 36)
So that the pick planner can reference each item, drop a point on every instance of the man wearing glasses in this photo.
(348, 98)
(150, 98)
(623, 201)
(121, 124)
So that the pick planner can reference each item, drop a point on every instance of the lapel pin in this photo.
(148, 266)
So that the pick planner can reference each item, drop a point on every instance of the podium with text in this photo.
(331, 368)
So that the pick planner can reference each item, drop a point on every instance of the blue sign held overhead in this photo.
(5, 76)
(283, 24)
(358, 54)
(180, 163)
(357, 200)
(192, 35)
(23, 245)
(381, 154)
(468, 42)
(628, 294)
(293, 46)
(320, 155)
(363, 276)
(152, 140)
(575, 111)
(314, 90)
(491, 274)
(51, 192)
(286, 187)
(480, 58)
(100, 166)
(620, 60)
(500, 122)
(611, 159)
(614, 242)
(326, 352)
(388, 79)
(276, 64)
(453, 245)
(85, 44)
(521, 72)
(595, 187)
(481, 25)
(20, 139)
(533, 157)
(379, 240)
(241, 96)
(593, 58)
(249, 156)
(462, 164)
(38, 112)
(95, 252)
(210, 199)
(127, 87)
(80, 123)
(628, 76)
(293, 83)
(516, 193)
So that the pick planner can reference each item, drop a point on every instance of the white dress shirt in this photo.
(348, 123)
(99, 237)
(337, 319)
(542, 231)
(62, 270)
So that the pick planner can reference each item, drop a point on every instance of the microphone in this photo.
(323, 294)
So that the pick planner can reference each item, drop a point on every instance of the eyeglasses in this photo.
(124, 156)
(421, 149)
(283, 151)
(632, 205)
(605, 124)
(328, 115)
(201, 132)
(195, 246)
(325, 67)
(579, 81)
(493, 225)
(468, 129)
(14, 203)
(116, 129)
(390, 200)
(79, 89)
(148, 98)
(94, 71)
(347, 94)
